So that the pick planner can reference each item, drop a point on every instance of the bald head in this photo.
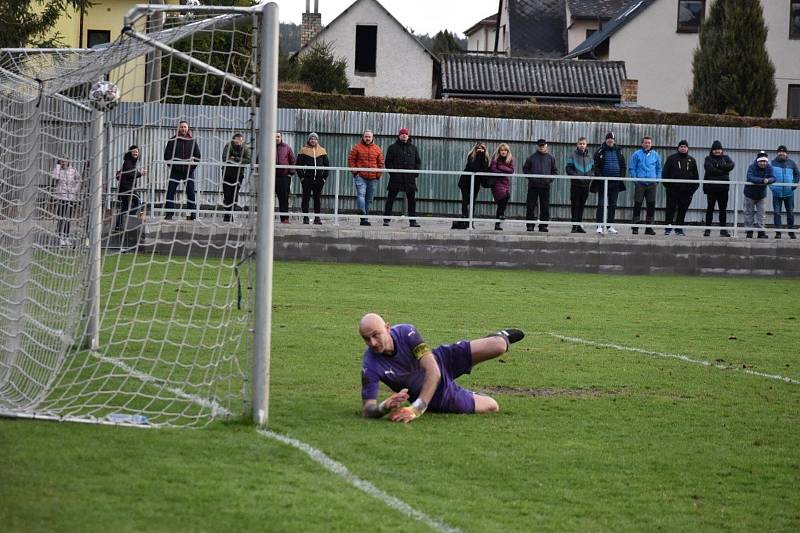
(375, 332)
(371, 320)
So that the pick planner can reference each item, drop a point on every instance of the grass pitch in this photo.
(589, 437)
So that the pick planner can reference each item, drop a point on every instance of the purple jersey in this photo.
(403, 371)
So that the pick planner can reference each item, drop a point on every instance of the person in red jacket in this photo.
(365, 154)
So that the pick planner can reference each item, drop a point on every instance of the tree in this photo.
(732, 69)
(322, 71)
(445, 42)
(27, 23)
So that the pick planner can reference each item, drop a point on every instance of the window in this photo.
(366, 49)
(356, 91)
(589, 33)
(95, 37)
(690, 15)
(794, 19)
(793, 109)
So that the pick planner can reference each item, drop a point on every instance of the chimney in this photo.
(630, 92)
(312, 23)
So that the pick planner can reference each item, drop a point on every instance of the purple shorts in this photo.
(454, 360)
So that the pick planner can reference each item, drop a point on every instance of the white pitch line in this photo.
(685, 358)
(337, 468)
(364, 486)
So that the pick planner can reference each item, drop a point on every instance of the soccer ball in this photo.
(104, 95)
(192, 3)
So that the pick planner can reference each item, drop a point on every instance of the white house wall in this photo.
(576, 33)
(402, 67)
(661, 59)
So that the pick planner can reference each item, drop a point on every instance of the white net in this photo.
(168, 340)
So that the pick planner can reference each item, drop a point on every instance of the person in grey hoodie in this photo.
(543, 163)
(580, 163)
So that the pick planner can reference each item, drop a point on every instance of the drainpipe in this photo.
(497, 26)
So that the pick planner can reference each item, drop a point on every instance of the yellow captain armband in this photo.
(420, 350)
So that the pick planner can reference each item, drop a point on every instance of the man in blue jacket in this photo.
(785, 171)
(759, 175)
(645, 163)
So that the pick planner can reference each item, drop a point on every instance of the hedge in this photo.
(529, 111)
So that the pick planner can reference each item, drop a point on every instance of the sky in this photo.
(422, 16)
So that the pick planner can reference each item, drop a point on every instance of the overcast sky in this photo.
(422, 16)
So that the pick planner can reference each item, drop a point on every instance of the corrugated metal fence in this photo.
(443, 143)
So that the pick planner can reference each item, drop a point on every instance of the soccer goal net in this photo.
(128, 185)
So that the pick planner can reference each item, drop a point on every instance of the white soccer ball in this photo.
(192, 3)
(104, 95)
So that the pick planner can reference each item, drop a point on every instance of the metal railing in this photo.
(343, 192)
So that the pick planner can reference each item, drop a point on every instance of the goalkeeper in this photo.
(400, 358)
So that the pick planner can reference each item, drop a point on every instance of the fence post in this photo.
(735, 207)
(336, 197)
(470, 220)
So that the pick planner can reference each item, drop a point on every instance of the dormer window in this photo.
(690, 15)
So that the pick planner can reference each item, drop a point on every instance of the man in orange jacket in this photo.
(365, 154)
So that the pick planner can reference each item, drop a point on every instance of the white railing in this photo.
(154, 192)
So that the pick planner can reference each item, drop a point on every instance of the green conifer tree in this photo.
(732, 69)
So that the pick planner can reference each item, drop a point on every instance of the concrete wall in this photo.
(552, 253)
(403, 67)
(661, 59)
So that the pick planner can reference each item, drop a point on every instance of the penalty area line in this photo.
(364, 486)
(680, 357)
(316, 455)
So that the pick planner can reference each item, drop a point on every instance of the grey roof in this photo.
(625, 15)
(465, 75)
(595, 9)
(537, 28)
(490, 20)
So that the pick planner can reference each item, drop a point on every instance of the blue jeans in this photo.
(365, 190)
(172, 188)
(788, 203)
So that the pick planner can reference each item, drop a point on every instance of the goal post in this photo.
(112, 309)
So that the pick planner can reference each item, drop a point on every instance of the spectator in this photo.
(608, 162)
(365, 154)
(502, 163)
(477, 161)
(312, 179)
(717, 167)
(785, 171)
(402, 155)
(759, 175)
(183, 148)
(579, 163)
(542, 163)
(283, 176)
(645, 163)
(67, 185)
(679, 166)
(127, 176)
(235, 157)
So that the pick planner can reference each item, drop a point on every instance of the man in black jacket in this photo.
(183, 148)
(402, 155)
(717, 168)
(679, 166)
(543, 163)
(608, 162)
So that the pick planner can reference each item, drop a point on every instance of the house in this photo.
(383, 58)
(527, 28)
(656, 39)
(520, 78)
(584, 17)
(481, 35)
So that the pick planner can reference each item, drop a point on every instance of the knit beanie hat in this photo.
(716, 145)
(312, 135)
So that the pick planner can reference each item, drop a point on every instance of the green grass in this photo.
(588, 438)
